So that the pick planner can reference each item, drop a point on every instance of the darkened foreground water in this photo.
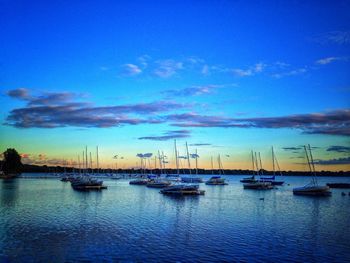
(46, 220)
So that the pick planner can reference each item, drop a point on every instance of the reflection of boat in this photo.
(339, 185)
(182, 190)
(312, 189)
(216, 180)
(258, 186)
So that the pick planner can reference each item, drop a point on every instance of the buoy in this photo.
(262, 199)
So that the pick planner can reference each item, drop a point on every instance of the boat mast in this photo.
(308, 162)
(253, 164)
(196, 162)
(91, 163)
(160, 163)
(212, 165)
(262, 172)
(273, 161)
(86, 160)
(188, 159)
(256, 164)
(97, 164)
(79, 163)
(313, 165)
(176, 160)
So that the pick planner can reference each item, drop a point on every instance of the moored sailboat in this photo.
(312, 188)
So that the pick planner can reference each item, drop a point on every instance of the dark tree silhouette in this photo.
(12, 162)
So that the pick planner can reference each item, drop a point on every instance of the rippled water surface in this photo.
(46, 220)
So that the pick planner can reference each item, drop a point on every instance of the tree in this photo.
(12, 162)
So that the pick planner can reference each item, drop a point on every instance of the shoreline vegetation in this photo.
(27, 168)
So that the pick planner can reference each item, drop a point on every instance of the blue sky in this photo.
(131, 76)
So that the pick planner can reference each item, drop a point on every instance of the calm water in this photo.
(45, 220)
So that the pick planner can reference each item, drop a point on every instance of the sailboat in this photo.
(85, 181)
(257, 185)
(250, 179)
(191, 179)
(272, 179)
(180, 188)
(217, 180)
(312, 188)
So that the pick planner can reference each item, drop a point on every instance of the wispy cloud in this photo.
(336, 161)
(332, 37)
(257, 68)
(144, 155)
(191, 91)
(167, 68)
(328, 60)
(291, 148)
(292, 72)
(131, 69)
(339, 149)
(169, 135)
(200, 144)
(335, 122)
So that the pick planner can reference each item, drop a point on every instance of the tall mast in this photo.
(79, 163)
(308, 162)
(176, 160)
(212, 165)
(253, 163)
(188, 158)
(91, 163)
(86, 163)
(160, 162)
(256, 164)
(313, 165)
(97, 164)
(262, 172)
(273, 161)
(196, 162)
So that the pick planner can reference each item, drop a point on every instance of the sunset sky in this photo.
(228, 77)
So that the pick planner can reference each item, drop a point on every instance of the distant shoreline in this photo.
(58, 169)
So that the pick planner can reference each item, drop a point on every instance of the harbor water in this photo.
(46, 220)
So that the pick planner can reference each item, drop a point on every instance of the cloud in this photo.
(167, 68)
(52, 110)
(257, 68)
(339, 149)
(191, 91)
(144, 155)
(20, 93)
(194, 155)
(328, 60)
(200, 144)
(335, 122)
(293, 72)
(205, 70)
(291, 148)
(131, 69)
(339, 161)
(333, 37)
(169, 135)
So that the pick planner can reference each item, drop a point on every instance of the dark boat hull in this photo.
(339, 185)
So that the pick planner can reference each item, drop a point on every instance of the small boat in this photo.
(312, 189)
(182, 190)
(87, 183)
(272, 180)
(249, 179)
(116, 177)
(158, 183)
(139, 181)
(258, 186)
(339, 185)
(216, 180)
